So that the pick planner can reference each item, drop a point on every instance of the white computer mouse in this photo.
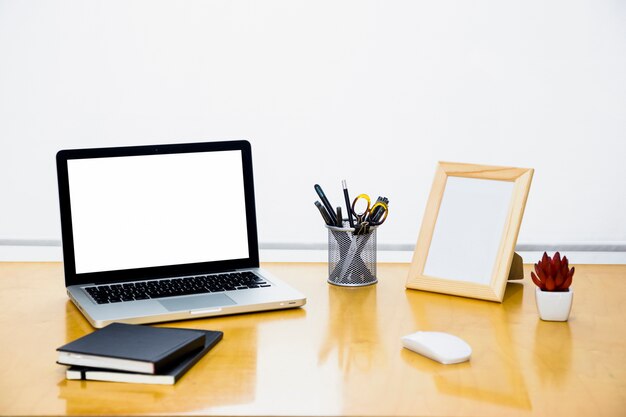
(442, 347)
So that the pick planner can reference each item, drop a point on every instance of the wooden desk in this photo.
(340, 354)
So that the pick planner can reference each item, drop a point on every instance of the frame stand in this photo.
(517, 268)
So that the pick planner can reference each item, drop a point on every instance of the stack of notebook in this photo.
(135, 353)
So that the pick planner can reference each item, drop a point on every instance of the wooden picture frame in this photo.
(469, 230)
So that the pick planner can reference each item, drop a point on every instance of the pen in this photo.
(339, 217)
(380, 211)
(347, 197)
(372, 214)
(329, 207)
(324, 214)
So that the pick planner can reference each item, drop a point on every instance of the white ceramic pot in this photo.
(554, 306)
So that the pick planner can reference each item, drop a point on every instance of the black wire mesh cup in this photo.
(351, 258)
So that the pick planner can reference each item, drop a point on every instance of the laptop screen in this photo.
(155, 211)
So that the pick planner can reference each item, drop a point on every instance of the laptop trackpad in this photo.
(196, 302)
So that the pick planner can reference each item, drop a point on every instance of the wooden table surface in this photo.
(340, 354)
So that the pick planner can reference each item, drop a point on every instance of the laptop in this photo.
(165, 232)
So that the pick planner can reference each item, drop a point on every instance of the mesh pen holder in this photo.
(351, 258)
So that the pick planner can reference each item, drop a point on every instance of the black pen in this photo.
(347, 197)
(329, 207)
(339, 217)
(373, 212)
(324, 214)
(380, 211)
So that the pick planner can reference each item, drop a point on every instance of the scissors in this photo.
(370, 215)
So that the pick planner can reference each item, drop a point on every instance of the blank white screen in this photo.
(145, 211)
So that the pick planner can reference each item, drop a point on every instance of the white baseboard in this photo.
(23, 253)
(10, 253)
(575, 257)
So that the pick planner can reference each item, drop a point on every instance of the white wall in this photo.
(375, 92)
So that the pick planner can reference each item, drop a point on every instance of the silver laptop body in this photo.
(138, 218)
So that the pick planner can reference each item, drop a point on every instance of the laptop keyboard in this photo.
(144, 290)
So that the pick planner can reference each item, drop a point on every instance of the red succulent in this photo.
(553, 274)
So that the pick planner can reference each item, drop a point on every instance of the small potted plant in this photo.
(553, 294)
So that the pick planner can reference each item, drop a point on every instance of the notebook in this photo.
(132, 347)
(164, 232)
(168, 376)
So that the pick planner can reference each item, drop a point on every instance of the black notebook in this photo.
(167, 377)
(131, 347)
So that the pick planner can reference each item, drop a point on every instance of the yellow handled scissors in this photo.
(374, 215)
(360, 217)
